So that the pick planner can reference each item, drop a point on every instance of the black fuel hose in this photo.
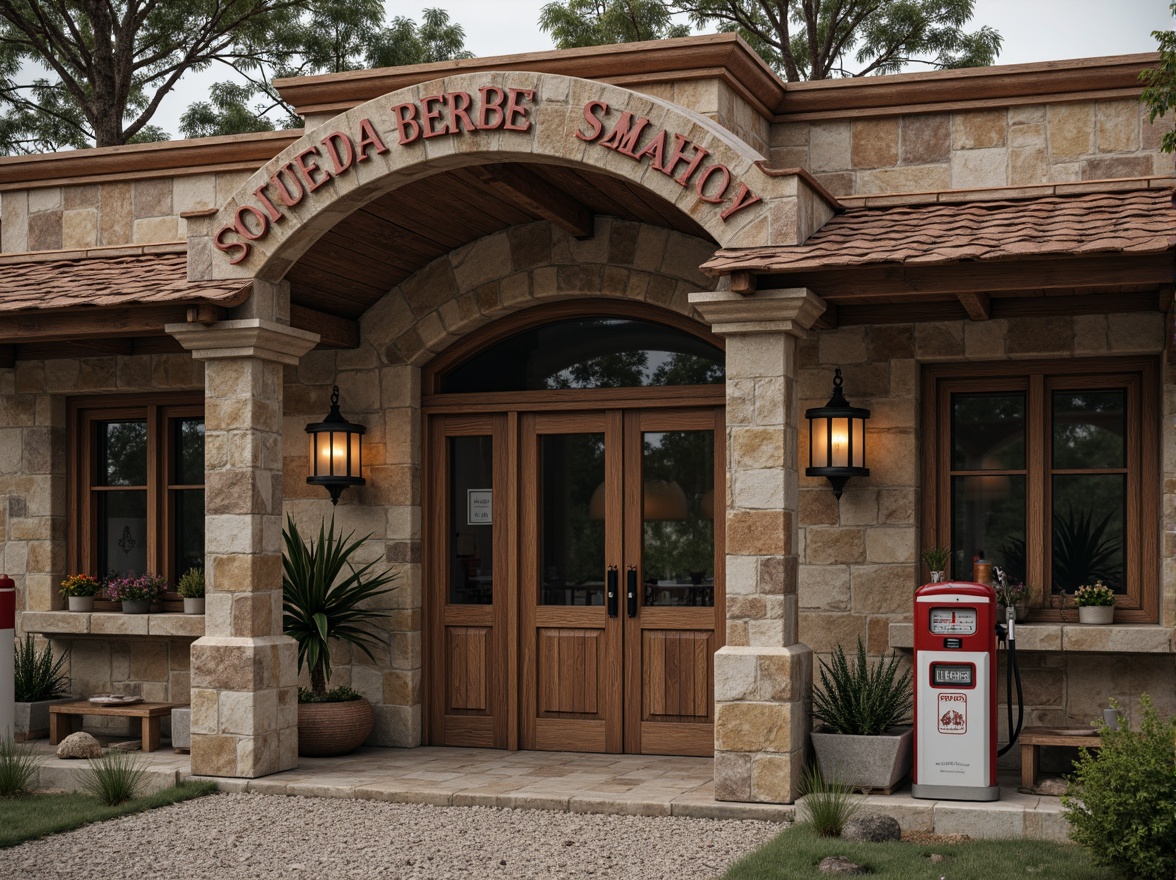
(1012, 670)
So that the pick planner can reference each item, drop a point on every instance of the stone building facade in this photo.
(811, 229)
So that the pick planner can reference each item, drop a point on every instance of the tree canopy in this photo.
(78, 73)
(103, 66)
(1159, 93)
(600, 22)
(821, 39)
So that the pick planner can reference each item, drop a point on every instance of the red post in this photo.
(7, 644)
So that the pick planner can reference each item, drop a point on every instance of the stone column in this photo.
(763, 676)
(244, 671)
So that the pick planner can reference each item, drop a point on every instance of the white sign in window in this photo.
(480, 511)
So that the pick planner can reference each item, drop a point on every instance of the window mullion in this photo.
(1038, 538)
(154, 476)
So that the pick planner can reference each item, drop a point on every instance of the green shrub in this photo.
(827, 805)
(37, 676)
(191, 584)
(18, 768)
(1122, 801)
(864, 699)
(114, 778)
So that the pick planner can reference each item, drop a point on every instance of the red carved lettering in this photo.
(625, 134)
(274, 214)
(740, 201)
(722, 190)
(329, 142)
(431, 115)
(218, 242)
(406, 122)
(308, 169)
(240, 225)
(679, 155)
(288, 198)
(595, 123)
(369, 139)
(656, 148)
(484, 122)
(459, 119)
(514, 110)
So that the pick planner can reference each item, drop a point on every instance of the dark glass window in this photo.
(589, 352)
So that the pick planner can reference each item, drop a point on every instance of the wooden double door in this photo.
(574, 581)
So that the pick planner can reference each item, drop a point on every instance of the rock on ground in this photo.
(872, 829)
(79, 745)
(839, 865)
(246, 836)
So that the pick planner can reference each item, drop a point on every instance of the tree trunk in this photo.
(318, 680)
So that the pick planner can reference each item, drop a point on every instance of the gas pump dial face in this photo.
(953, 621)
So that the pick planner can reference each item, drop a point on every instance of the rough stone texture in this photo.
(79, 745)
(872, 829)
(839, 865)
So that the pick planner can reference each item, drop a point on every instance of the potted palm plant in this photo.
(324, 598)
(865, 709)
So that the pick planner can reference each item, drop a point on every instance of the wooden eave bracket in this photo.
(528, 191)
(977, 305)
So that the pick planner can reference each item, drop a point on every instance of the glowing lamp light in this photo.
(837, 440)
(336, 451)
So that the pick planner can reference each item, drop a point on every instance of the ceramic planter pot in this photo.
(1097, 614)
(869, 762)
(136, 606)
(81, 603)
(194, 606)
(327, 729)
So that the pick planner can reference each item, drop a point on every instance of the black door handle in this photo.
(631, 587)
(612, 591)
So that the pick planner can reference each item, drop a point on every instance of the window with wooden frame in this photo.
(137, 484)
(1051, 471)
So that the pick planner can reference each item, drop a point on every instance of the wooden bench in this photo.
(66, 718)
(1032, 738)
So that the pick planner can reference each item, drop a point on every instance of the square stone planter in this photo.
(878, 763)
(32, 719)
(181, 728)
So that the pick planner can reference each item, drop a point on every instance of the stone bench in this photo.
(66, 718)
(1033, 738)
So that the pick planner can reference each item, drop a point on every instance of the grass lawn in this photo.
(796, 853)
(36, 815)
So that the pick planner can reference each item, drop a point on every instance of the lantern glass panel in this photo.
(840, 443)
(354, 460)
(819, 449)
(859, 443)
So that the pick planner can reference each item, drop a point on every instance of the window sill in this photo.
(111, 623)
(1073, 638)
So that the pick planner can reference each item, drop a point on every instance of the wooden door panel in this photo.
(571, 669)
(676, 675)
(469, 663)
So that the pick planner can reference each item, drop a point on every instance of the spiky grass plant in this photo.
(37, 675)
(18, 768)
(324, 597)
(863, 698)
(114, 778)
(828, 804)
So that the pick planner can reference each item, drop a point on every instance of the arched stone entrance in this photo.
(683, 159)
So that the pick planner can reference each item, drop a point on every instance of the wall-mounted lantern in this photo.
(837, 440)
(336, 453)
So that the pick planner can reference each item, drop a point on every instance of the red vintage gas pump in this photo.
(7, 637)
(955, 692)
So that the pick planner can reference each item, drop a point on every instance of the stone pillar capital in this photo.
(791, 310)
(244, 338)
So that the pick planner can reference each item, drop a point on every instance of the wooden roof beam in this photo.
(34, 326)
(977, 305)
(333, 331)
(528, 191)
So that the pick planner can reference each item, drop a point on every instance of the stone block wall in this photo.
(121, 212)
(859, 561)
(977, 149)
(716, 100)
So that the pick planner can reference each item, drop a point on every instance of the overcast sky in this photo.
(1033, 30)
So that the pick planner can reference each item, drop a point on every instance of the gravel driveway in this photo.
(227, 836)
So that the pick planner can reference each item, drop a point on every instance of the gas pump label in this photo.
(953, 713)
(953, 621)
